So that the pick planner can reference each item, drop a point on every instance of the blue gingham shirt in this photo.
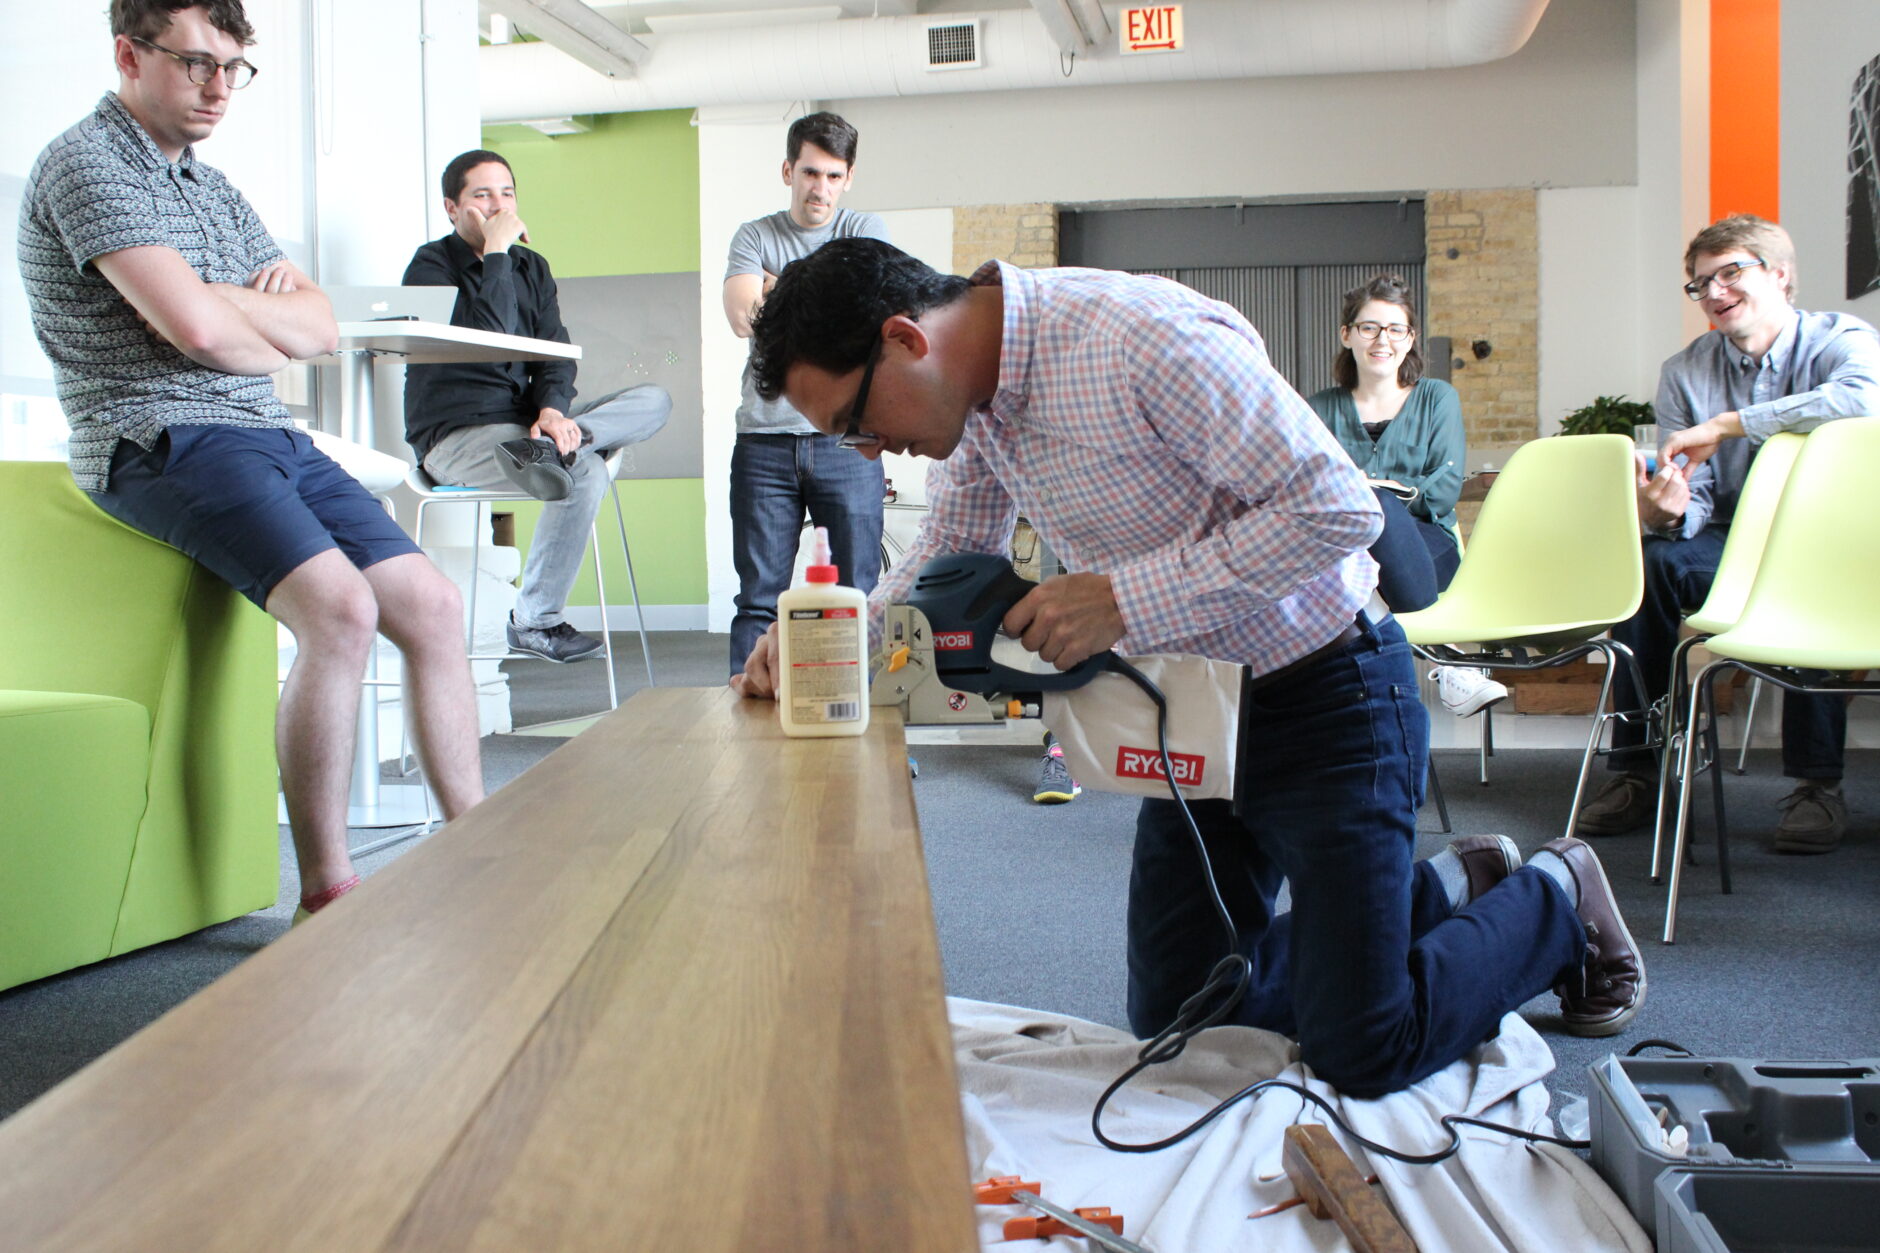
(101, 187)
(1822, 366)
(1142, 430)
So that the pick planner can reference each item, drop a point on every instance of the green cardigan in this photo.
(1422, 447)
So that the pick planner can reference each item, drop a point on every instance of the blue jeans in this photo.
(1415, 559)
(466, 457)
(775, 479)
(1378, 979)
(1678, 575)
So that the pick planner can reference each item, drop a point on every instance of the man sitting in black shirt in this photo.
(457, 416)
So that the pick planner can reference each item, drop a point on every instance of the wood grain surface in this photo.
(676, 987)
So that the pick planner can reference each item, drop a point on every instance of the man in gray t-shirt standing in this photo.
(782, 466)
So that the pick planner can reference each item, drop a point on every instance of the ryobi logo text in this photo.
(952, 641)
(1146, 763)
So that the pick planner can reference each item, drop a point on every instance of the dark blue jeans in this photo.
(775, 479)
(1678, 575)
(1380, 982)
(1415, 559)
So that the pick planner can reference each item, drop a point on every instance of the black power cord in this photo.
(1224, 987)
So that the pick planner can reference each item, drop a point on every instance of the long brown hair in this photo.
(1391, 289)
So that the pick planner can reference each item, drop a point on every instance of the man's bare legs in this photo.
(330, 608)
(335, 611)
(421, 612)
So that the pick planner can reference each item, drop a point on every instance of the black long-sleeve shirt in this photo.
(512, 293)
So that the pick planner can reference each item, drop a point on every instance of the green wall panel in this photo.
(620, 199)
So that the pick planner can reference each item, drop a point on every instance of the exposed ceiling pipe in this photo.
(887, 56)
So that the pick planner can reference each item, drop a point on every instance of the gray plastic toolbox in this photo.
(1800, 1210)
(1781, 1122)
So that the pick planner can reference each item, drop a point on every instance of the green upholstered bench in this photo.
(137, 775)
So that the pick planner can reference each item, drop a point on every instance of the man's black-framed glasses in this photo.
(855, 437)
(1724, 276)
(237, 73)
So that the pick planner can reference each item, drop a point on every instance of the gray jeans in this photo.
(467, 458)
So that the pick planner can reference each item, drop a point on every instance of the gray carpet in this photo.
(1029, 900)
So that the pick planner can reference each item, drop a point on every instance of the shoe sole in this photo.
(1621, 1020)
(1056, 798)
(1582, 827)
(1471, 708)
(1805, 846)
(520, 651)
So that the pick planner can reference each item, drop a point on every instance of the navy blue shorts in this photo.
(250, 503)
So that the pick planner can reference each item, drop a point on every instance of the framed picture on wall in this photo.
(1863, 182)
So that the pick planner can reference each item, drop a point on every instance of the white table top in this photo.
(431, 343)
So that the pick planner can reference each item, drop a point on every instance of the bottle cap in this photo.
(821, 569)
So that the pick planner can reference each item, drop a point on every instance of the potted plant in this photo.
(1607, 415)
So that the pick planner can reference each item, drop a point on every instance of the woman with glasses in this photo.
(1405, 432)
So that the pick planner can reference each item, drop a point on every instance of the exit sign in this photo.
(1152, 28)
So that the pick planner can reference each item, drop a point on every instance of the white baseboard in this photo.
(625, 618)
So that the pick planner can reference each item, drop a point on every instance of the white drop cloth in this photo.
(1029, 1081)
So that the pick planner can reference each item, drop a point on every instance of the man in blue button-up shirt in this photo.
(1767, 367)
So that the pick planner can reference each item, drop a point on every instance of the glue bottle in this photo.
(822, 631)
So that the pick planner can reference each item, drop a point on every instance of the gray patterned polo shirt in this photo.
(101, 187)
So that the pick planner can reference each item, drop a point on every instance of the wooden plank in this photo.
(681, 962)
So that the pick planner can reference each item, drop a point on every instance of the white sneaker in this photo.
(1466, 692)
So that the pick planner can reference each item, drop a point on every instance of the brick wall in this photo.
(1019, 234)
(1488, 290)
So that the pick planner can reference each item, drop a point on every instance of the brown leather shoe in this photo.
(1486, 860)
(1626, 803)
(1606, 992)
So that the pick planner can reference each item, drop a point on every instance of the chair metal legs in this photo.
(1436, 794)
(1614, 653)
(1517, 658)
(1749, 726)
(1703, 699)
(633, 585)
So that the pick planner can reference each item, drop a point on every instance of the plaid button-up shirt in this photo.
(1140, 427)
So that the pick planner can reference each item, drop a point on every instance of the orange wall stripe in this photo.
(1746, 108)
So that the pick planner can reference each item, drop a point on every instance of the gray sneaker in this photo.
(1055, 785)
(560, 642)
(1624, 804)
(1814, 818)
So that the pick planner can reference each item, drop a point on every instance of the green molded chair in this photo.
(1553, 563)
(1814, 604)
(1736, 571)
(137, 696)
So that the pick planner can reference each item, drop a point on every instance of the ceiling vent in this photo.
(953, 46)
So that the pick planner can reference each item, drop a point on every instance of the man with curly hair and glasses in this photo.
(1202, 508)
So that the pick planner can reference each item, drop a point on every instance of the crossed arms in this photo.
(278, 316)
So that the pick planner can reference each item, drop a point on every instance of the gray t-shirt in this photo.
(101, 187)
(767, 245)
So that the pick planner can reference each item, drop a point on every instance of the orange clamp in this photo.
(1040, 1228)
(998, 1190)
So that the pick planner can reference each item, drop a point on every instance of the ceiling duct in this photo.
(860, 58)
(577, 30)
(1077, 26)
